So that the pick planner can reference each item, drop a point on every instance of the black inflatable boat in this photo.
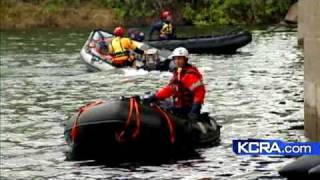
(222, 44)
(128, 129)
(305, 167)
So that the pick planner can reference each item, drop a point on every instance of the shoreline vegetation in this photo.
(23, 14)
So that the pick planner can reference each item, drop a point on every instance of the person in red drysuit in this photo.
(186, 87)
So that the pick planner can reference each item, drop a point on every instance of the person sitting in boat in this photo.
(120, 47)
(136, 35)
(164, 27)
(186, 87)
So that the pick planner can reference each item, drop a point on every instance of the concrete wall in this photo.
(309, 30)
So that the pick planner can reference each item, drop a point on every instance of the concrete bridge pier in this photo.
(309, 32)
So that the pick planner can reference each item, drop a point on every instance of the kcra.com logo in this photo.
(274, 147)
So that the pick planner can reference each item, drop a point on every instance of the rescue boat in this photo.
(94, 55)
(227, 43)
(129, 129)
(305, 167)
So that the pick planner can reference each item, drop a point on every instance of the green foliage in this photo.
(188, 13)
(199, 12)
(53, 5)
(224, 12)
(128, 9)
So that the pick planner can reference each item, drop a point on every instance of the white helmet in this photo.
(180, 51)
(151, 51)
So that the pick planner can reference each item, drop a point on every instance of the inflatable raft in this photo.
(222, 44)
(128, 129)
(94, 55)
(305, 167)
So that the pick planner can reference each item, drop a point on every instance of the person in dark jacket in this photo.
(164, 27)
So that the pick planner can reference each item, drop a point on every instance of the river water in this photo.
(256, 93)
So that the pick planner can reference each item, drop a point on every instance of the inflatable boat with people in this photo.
(131, 129)
(94, 54)
(226, 43)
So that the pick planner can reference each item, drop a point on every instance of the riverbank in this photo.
(28, 15)
(66, 14)
(109, 13)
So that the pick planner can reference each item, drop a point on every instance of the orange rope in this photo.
(169, 123)
(74, 130)
(120, 135)
(138, 120)
(133, 109)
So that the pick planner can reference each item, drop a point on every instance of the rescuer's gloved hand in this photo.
(195, 112)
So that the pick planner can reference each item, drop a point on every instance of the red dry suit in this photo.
(186, 87)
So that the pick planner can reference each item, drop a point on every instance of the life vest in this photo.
(167, 29)
(184, 95)
(117, 48)
(120, 55)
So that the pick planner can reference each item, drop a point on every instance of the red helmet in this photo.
(118, 31)
(165, 14)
